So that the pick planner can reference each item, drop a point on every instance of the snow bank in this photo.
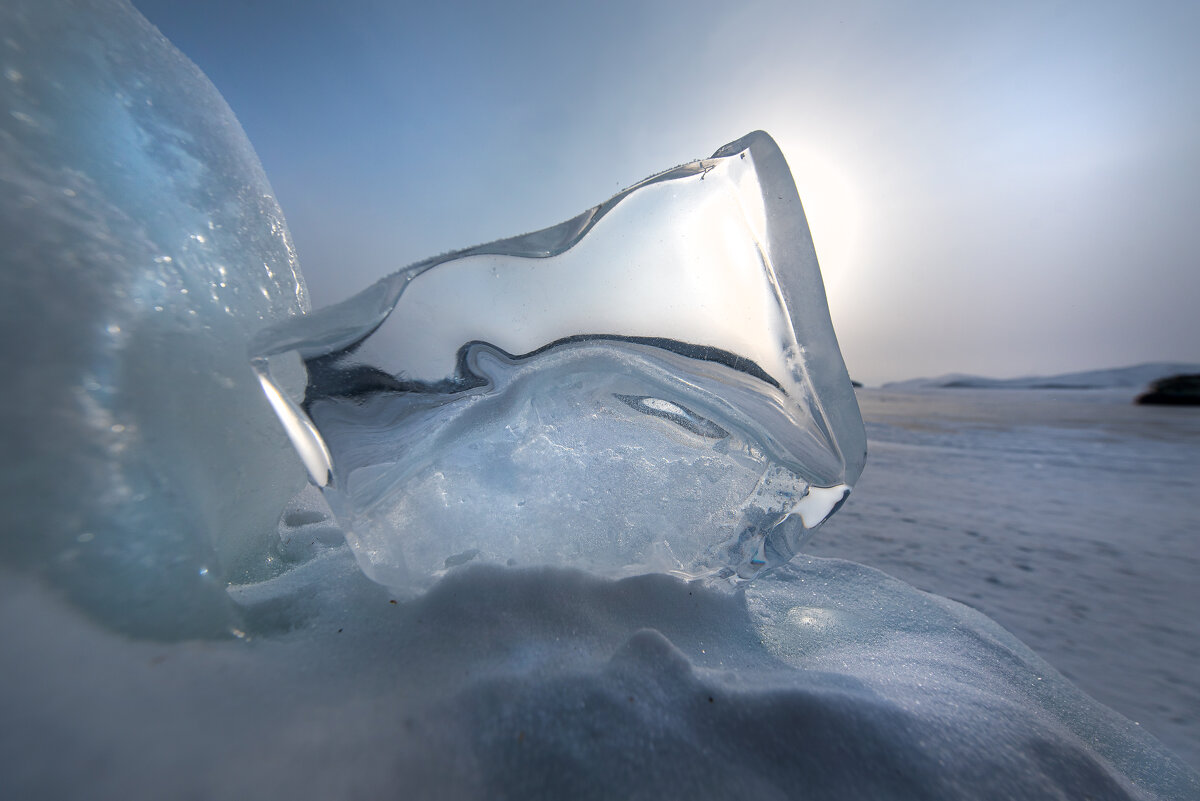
(825, 680)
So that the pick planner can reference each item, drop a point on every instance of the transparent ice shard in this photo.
(653, 385)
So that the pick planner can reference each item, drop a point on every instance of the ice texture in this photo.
(140, 245)
(653, 385)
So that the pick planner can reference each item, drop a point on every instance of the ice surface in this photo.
(653, 385)
(140, 245)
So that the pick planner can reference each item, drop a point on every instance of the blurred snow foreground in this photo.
(175, 627)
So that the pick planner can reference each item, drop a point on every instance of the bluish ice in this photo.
(141, 247)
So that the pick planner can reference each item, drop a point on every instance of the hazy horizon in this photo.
(1002, 190)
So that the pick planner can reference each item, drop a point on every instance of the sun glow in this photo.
(831, 204)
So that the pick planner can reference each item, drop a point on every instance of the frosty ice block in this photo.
(141, 246)
(653, 385)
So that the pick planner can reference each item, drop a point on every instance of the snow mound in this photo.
(825, 679)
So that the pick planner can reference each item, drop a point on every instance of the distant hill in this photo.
(1135, 377)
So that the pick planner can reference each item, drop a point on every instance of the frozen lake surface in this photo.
(1068, 516)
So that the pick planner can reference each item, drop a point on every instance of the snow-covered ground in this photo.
(1071, 517)
(1067, 516)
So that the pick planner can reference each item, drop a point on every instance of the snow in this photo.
(1067, 516)
(826, 678)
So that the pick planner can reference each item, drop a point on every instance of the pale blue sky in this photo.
(1002, 188)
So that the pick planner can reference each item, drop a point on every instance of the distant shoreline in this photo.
(1135, 377)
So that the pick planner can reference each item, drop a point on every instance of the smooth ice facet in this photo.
(653, 385)
(140, 247)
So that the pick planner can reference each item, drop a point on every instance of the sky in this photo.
(1004, 189)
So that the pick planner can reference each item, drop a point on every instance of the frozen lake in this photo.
(1068, 516)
